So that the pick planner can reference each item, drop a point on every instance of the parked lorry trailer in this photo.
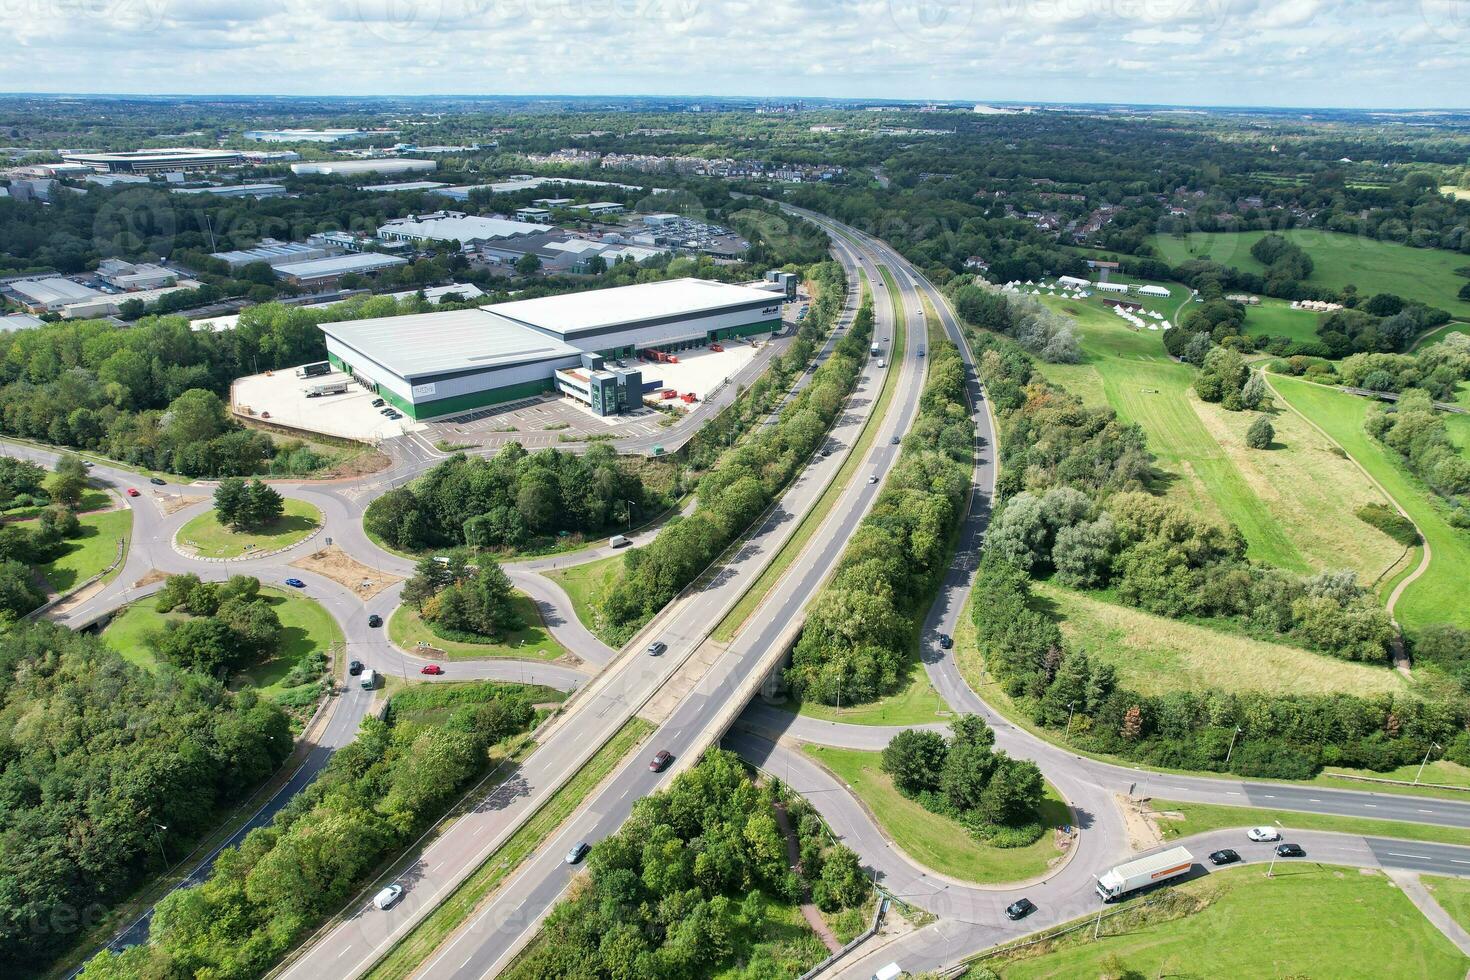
(1143, 872)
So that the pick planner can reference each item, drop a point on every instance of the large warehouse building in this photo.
(432, 365)
(154, 161)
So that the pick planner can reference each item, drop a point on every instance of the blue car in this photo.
(295, 583)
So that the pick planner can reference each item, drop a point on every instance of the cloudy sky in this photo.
(1409, 53)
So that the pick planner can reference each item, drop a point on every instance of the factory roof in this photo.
(339, 264)
(463, 228)
(423, 344)
(574, 313)
(52, 291)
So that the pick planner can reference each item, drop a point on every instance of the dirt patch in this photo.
(570, 660)
(150, 578)
(337, 565)
(1140, 823)
(172, 503)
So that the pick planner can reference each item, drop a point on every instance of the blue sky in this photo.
(1234, 52)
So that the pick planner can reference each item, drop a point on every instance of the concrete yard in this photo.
(700, 371)
(349, 416)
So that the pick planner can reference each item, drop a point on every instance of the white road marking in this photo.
(1371, 806)
(1417, 857)
(344, 952)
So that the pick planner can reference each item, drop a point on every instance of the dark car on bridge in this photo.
(660, 760)
(1019, 909)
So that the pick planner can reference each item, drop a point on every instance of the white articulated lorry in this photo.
(1142, 872)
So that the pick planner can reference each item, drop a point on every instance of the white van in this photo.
(385, 898)
(618, 541)
(882, 363)
(890, 972)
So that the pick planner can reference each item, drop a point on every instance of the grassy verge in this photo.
(90, 552)
(1452, 894)
(532, 642)
(1313, 920)
(1197, 818)
(211, 539)
(936, 841)
(409, 954)
(582, 584)
(814, 518)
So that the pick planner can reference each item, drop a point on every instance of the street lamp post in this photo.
(1071, 707)
(1232, 744)
(1432, 747)
(161, 852)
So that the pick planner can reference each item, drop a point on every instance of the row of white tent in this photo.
(1137, 321)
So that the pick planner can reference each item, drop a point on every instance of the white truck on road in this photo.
(1144, 871)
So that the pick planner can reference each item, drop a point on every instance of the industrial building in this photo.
(455, 226)
(51, 295)
(155, 161)
(404, 185)
(256, 191)
(351, 168)
(273, 253)
(130, 277)
(324, 273)
(432, 365)
(312, 135)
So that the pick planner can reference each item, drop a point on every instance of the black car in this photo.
(945, 642)
(1226, 856)
(157, 481)
(354, 668)
(1290, 851)
(385, 411)
(1019, 909)
(894, 441)
(375, 620)
(378, 403)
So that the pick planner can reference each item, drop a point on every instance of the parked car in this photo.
(1225, 856)
(1262, 834)
(1290, 851)
(385, 898)
(578, 852)
(433, 670)
(375, 620)
(354, 668)
(295, 583)
(378, 403)
(1019, 909)
(395, 415)
(133, 492)
(157, 481)
(656, 648)
(385, 411)
(945, 642)
(660, 760)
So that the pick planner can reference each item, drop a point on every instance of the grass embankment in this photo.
(211, 539)
(1452, 894)
(813, 519)
(1154, 654)
(1437, 595)
(1276, 497)
(935, 841)
(90, 552)
(1197, 818)
(584, 583)
(409, 954)
(1424, 274)
(305, 626)
(407, 629)
(1310, 920)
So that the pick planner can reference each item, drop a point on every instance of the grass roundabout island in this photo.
(206, 537)
(407, 629)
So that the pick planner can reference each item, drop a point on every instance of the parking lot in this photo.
(280, 397)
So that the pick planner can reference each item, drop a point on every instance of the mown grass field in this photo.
(88, 554)
(1438, 595)
(1154, 655)
(211, 539)
(584, 583)
(935, 841)
(1452, 894)
(1276, 497)
(1310, 920)
(1276, 318)
(1184, 819)
(305, 626)
(1425, 274)
(533, 641)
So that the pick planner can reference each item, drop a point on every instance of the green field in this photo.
(1452, 894)
(1424, 274)
(1437, 596)
(915, 703)
(1276, 318)
(1154, 655)
(1275, 497)
(305, 626)
(532, 642)
(211, 539)
(89, 553)
(1435, 336)
(1184, 819)
(935, 841)
(583, 583)
(1309, 920)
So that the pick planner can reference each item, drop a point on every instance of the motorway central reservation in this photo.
(432, 365)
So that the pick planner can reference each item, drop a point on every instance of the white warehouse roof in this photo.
(574, 313)
(54, 291)
(423, 344)
(462, 228)
(339, 264)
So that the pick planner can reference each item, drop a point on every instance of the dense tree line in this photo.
(680, 891)
(105, 768)
(511, 499)
(1050, 336)
(859, 629)
(1437, 369)
(996, 798)
(228, 625)
(1417, 433)
(374, 797)
(463, 601)
(25, 544)
(733, 493)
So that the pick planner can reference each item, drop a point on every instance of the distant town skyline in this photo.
(1288, 53)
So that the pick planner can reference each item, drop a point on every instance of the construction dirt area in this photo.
(334, 563)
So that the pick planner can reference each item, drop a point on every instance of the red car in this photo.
(434, 669)
(133, 492)
(661, 761)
